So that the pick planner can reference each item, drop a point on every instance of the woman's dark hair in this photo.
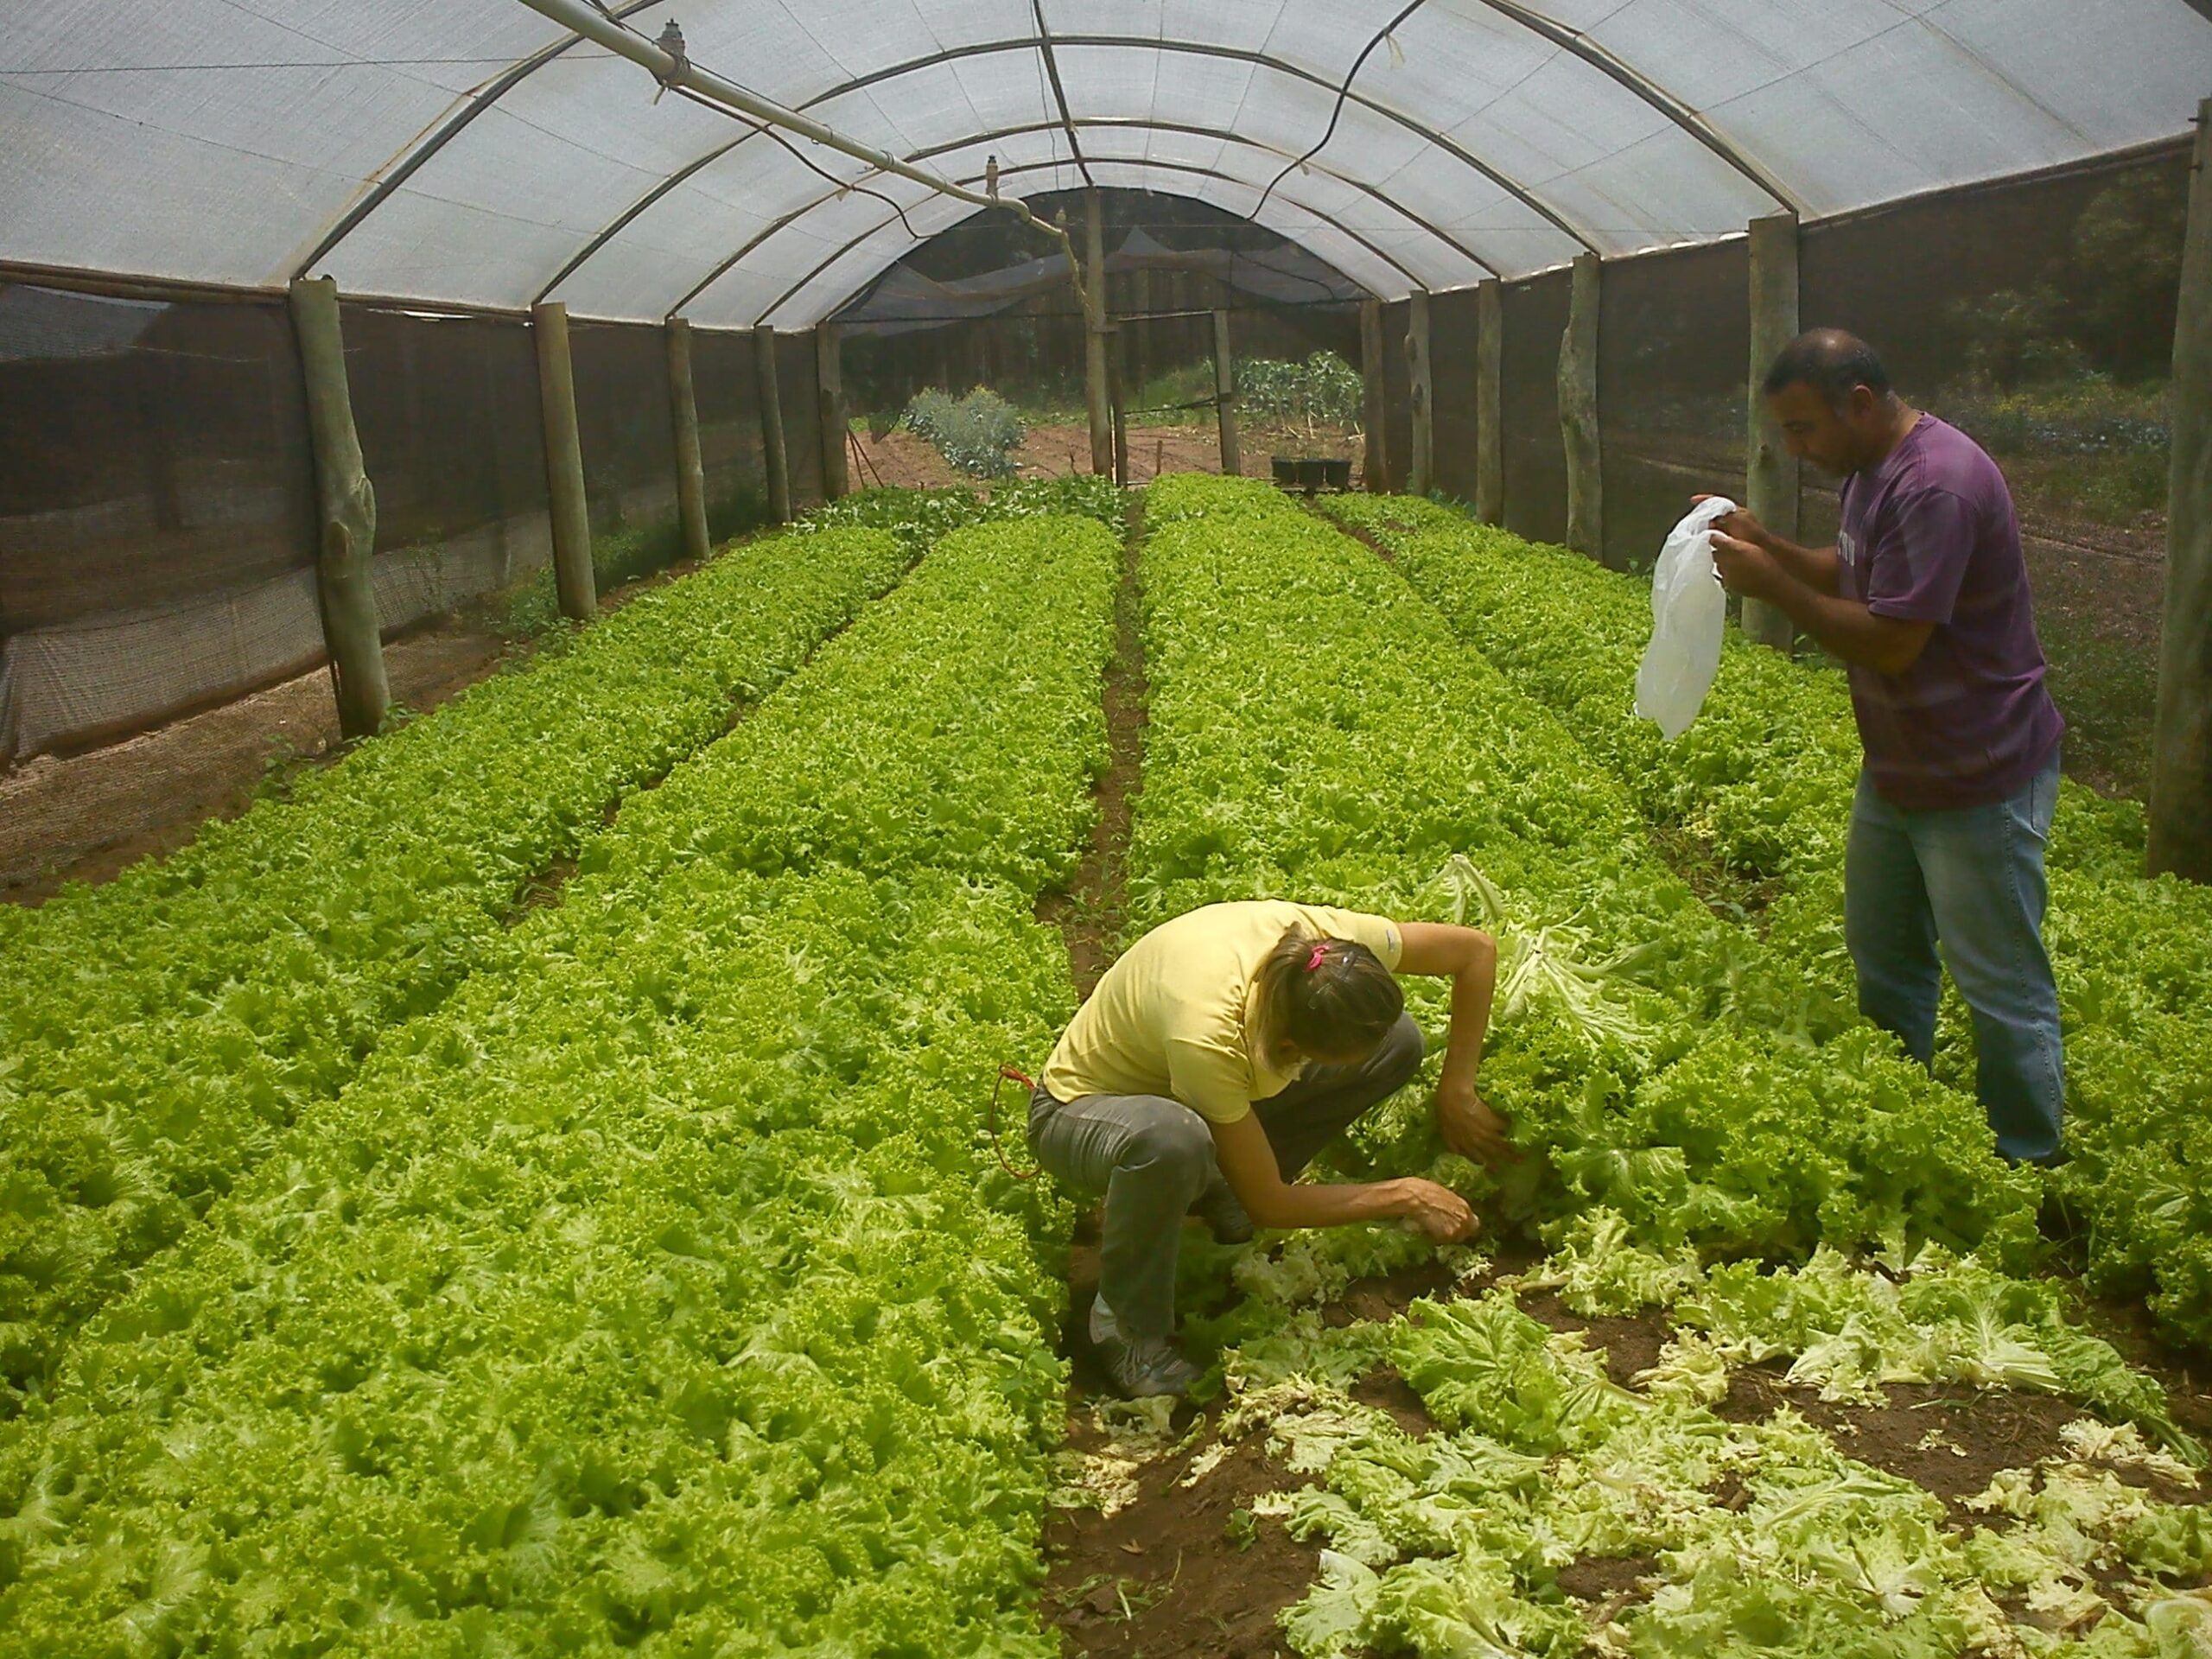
(1328, 996)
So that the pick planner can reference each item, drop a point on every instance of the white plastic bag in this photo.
(1689, 609)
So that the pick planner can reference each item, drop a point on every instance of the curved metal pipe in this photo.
(402, 166)
(1620, 70)
(935, 150)
(846, 246)
(1512, 186)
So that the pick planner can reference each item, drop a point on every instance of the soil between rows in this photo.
(89, 816)
(1161, 1578)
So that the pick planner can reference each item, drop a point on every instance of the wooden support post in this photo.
(1490, 402)
(346, 515)
(690, 472)
(1421, 466)
(1225, 397)
(777, 458)
(829, 384)
(2180, 753)
(564, 463)
(1095, 393)
(1121, 418)
(1770, 472)
(1374, 466)
(1578, 412)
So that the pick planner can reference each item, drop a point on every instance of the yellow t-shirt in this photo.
(1176, 1016)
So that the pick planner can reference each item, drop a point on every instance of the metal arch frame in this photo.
(1617, 69)
(1466, 158)
(413, 159)
(1060, 91)
(1121, 123)
(845, 247)
(1577, 45)
(1125, 122)
(405, 164)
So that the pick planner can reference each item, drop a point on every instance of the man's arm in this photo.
(1888, 645)
(1247, 1161)
(1469, 957)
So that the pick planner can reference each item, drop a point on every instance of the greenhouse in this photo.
(916, 831)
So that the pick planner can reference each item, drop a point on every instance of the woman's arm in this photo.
(1249, 1163)
(1469, 957)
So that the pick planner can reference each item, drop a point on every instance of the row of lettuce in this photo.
(1317, 728)
(159, 1034)
(1762, 785)
(658, 1287)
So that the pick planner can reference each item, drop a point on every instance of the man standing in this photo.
(1925, 599)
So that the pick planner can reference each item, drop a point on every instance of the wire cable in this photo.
(1343, 95)
(801, 157)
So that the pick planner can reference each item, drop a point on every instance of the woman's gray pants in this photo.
(1154, 1158)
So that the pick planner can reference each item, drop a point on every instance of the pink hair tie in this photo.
(1320, 954)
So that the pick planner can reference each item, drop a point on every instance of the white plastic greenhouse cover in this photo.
(472, 152)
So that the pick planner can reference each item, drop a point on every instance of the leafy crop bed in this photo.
(651, 1284)
(656, 1288)
(1524, 1496)
(157, 1035)
(1762, 782)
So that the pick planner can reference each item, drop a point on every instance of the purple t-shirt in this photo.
(1930, 535)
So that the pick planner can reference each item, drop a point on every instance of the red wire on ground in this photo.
(1008, 1074)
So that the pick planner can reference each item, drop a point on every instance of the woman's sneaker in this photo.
(1140, 1366)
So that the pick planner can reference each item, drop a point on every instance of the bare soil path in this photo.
(902, 458)
(89, 816)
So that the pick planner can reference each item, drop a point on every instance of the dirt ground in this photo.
(1163, 1578)
(902, 458)
(88, 816)
(85, 817)
(1089, 913)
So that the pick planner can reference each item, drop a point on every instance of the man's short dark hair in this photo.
(1831, 362)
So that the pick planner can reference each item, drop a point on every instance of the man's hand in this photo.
(1742, 524)
(1437, 1211)
(1470, 1128)
(1747, 568)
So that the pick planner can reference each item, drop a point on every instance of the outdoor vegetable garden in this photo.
(530, 1191)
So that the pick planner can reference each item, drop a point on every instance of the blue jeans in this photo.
(1973, 879)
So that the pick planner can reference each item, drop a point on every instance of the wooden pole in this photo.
(690, 472)
(1095, 393)
(346, 504)
(1490, 402)
(1577, 413)
(1375, 465)
(1121, 418)
(829, 382)
(1225, 397)
(1771, 470)
(2180, 754)
(772, 425)
(1421, 466)
(564, 463)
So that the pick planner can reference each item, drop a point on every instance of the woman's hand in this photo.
(1437, 1211)
(1470, 1128)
